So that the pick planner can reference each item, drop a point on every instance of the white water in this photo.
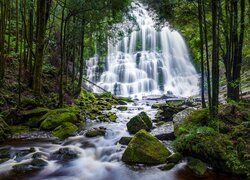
(147, 62)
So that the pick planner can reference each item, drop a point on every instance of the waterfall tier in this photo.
(147, 62)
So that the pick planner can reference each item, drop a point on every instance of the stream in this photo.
(97, 158)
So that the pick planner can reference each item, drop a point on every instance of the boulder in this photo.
(122, 108)
(164, 132)
(65, 154)
(65, 130)
(197, 166)
(167, 166)
(174, 158)
(167, 112)
(138, 122)
(57, 117)
(145, 149)
(96, 132)
(125, 140)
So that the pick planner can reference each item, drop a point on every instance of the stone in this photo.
(167, 166)
(145, 149)
(138, 122)
(164, 132)
(174, 158)
(197, 166)
(122, 108)
(125, 140)
(65, 130)
(65, 154)
(96, 132)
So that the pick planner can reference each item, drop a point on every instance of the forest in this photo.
(132, 89)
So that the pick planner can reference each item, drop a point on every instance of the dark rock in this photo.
(5, 153)
(164, 132)
(65, 154)
(4, 130)
(96, 132)
(39, 162)
(167, 166)
(22, 153)
(125, 140)
(145, 149)
(174, 158)
(197, 166)
(122, 108)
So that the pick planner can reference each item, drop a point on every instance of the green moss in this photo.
(95, 132)
(35, 112)
(19, 129)
(4, 130)
(34, 122)
(222, 142)
(112, 116)
(122, 108)
(140, 121)
(125, 140)
(65, 130)
(157, 106)
(197, 166)
(167, 166)
(146, 149)
(57, 117)
(174, 158)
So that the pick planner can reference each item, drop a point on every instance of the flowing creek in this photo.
(98, 158)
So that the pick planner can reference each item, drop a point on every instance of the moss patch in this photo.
(140, 121)
(146, 149)
(65, 130)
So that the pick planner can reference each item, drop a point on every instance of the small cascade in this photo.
(147, 62)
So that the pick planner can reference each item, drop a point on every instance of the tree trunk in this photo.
(2, 33)
(215, 60)
(202, 54)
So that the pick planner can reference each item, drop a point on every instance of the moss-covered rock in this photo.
(65, 130)
(19, 129)
(96, 132)
(167, 166)
(4, 130)
(174, 158)
(122, 108)
(157, 106)
(34, 112)
(125, 140)
(112, 116)
(57, 117)
(121, 102)
(145, 149)
(197, 166)
(138, 122)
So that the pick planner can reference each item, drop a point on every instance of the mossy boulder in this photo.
(125, 140)
(57, 117)
(122, 108)
(96, 132)
(145, 149)
(19, 129)
(4, 130)
(121, 102)
(112, 116)
(197, 166)
(65, 130)
(138, 122)
(167, 166)
(174, 158)
(34, 112)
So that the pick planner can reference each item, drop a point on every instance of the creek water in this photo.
(98, 158)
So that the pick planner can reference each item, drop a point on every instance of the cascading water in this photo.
(147, 62)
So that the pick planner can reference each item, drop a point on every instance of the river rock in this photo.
(197, 166)
(96, 132)
(138, 122)
(146, 149)
(180, 116)
(164, 132)
(22, 153)
(65, 130)
(65, 154)
(167, 112)
(125, 140)
(122, 108)
(167, 166)
(174, 158)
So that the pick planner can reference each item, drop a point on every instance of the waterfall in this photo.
(147, 62)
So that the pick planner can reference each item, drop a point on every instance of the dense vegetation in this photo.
(44, 45)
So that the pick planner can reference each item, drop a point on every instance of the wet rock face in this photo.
(125, 140)
(96, 132)
(65, 154)
(164, 132)
(197, 166)
(145, 149)
(141, 121)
